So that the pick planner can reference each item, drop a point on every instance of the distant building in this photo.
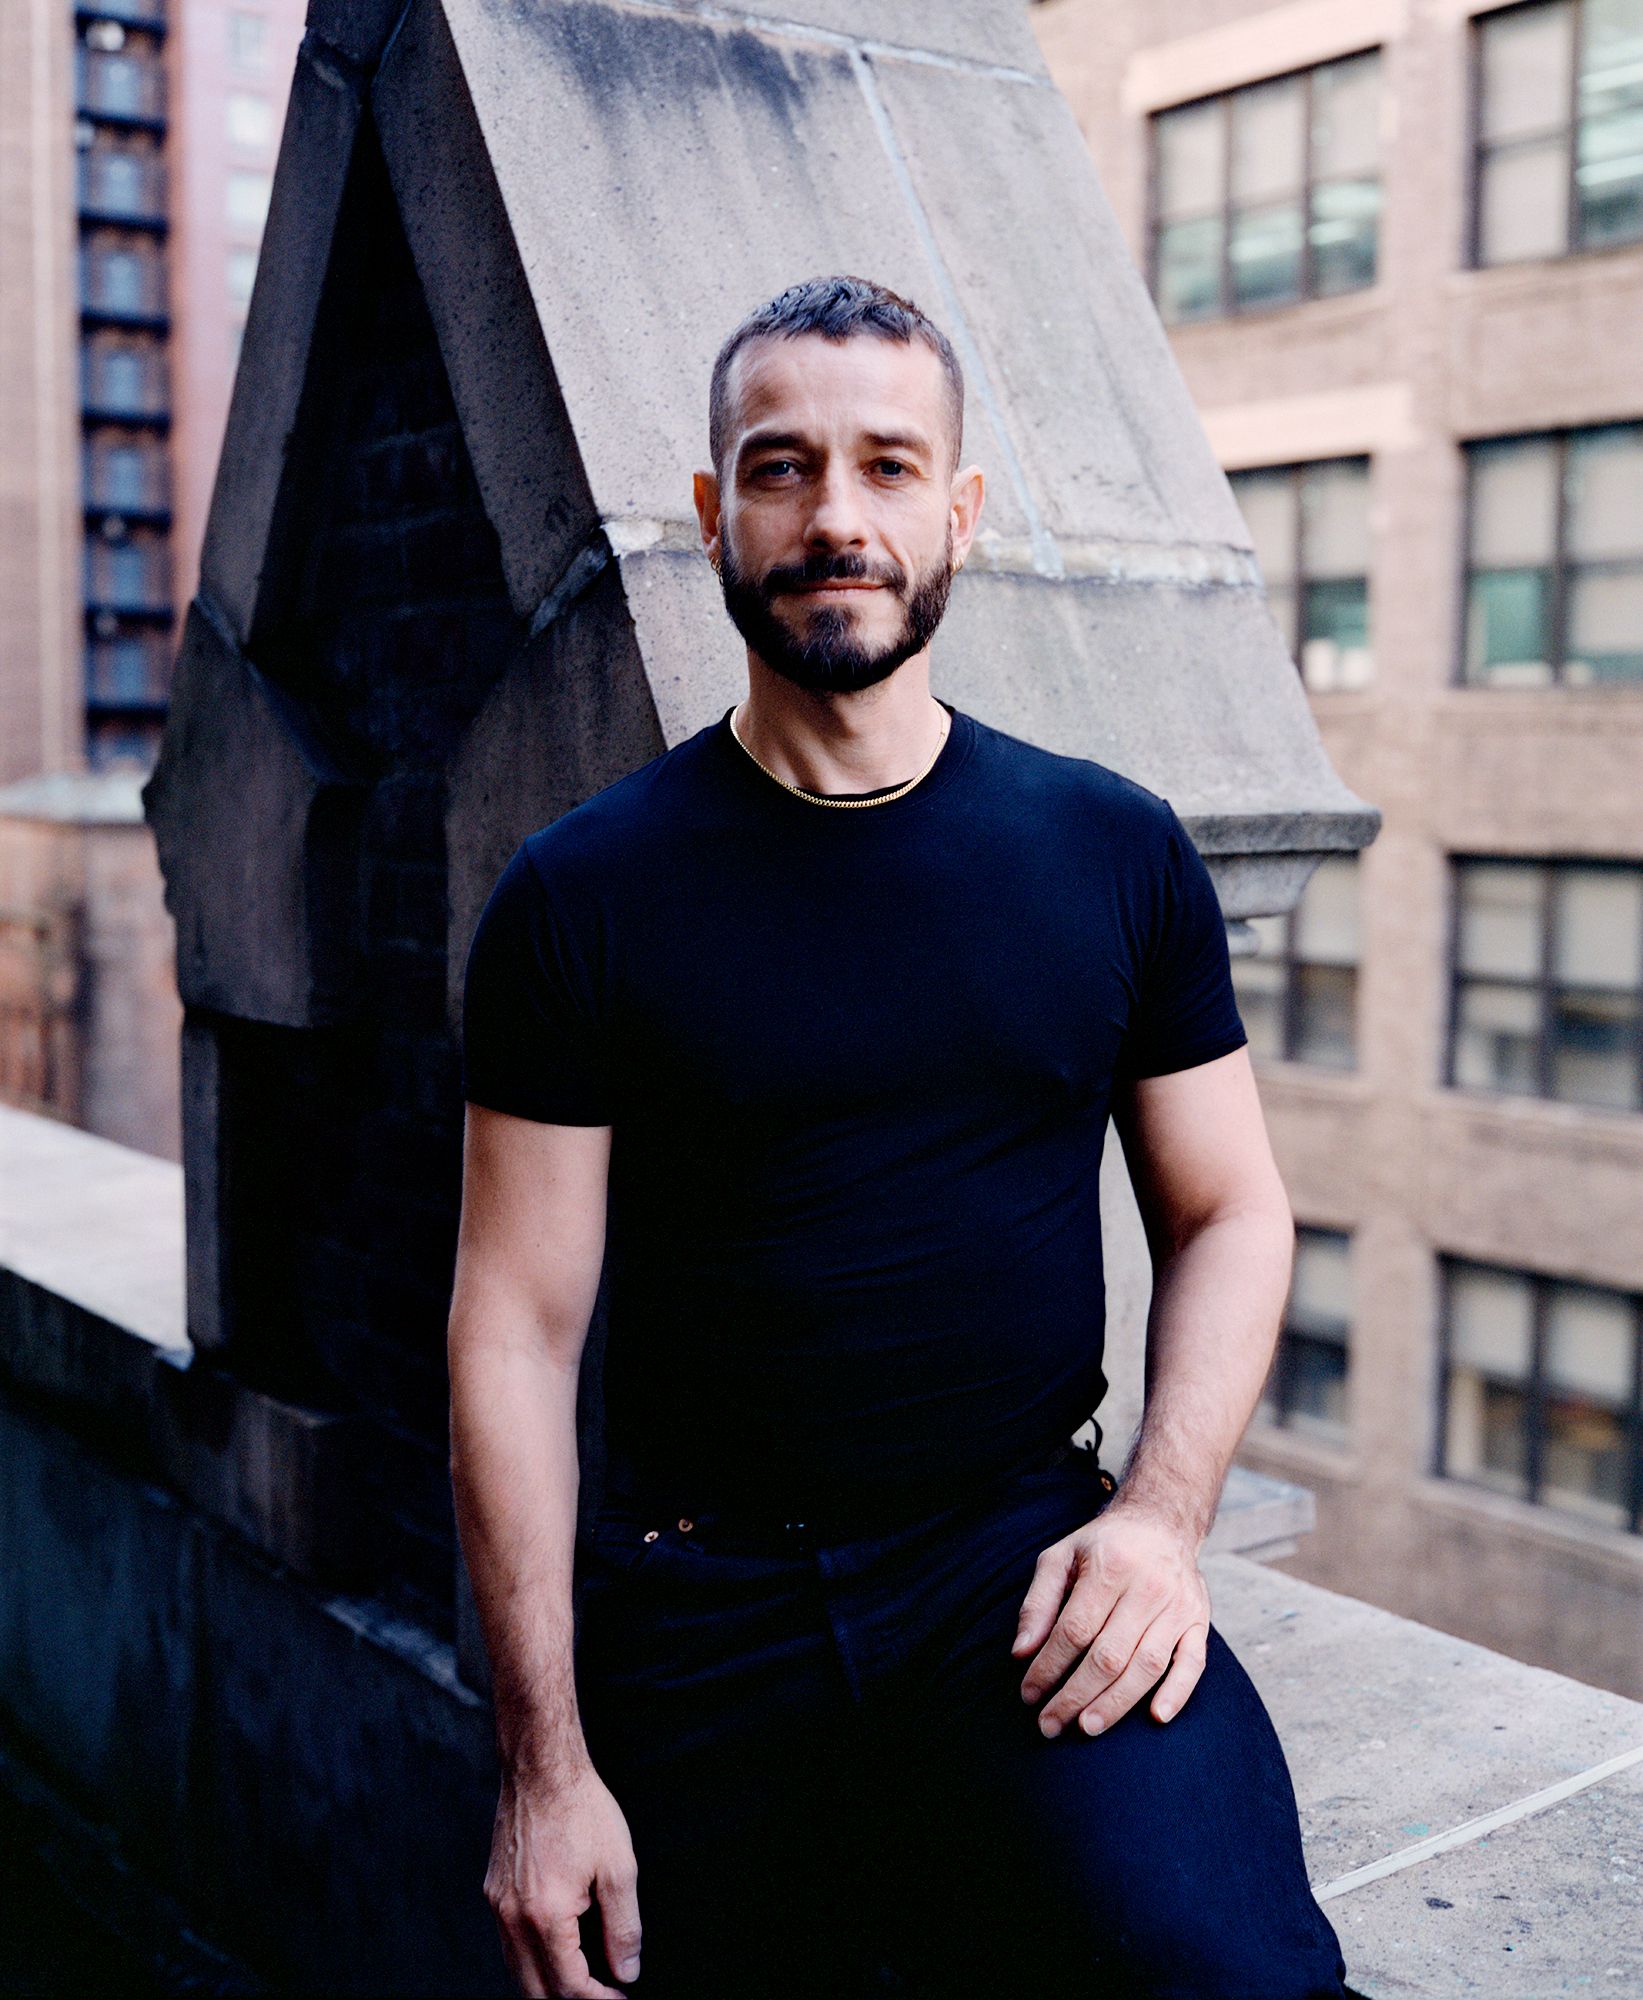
(1398, 251)
(137, 143)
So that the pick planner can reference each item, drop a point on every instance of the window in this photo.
(1297, 996)
(1540, 1391)
(250, 120)
(242, 272)
(1560, 129)
(1268, 194)
(1548, 972)
(1306, 1389)
(248, 42)
(1310, 527)
(247, 199)
(1555, 558)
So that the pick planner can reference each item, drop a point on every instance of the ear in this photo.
(964, 505)
(704, 488)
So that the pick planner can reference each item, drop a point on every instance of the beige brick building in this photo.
(1398, 248)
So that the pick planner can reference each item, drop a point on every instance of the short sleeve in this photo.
(531, 1042)
(1185, 1011)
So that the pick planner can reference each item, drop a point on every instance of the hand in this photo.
(556, 1844)
(1138, 1604)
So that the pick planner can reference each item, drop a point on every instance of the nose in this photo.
(836, 520)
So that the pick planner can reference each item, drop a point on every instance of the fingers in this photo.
(1067, 1637)
(568, 1974)
(1133, 1632)
(546, 1958)
(1043, 1599)
(619, 1913)
(1183, 1675)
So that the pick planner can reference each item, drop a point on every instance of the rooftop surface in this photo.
(1472, 1824)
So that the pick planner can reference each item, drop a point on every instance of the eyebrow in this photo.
(791, 441)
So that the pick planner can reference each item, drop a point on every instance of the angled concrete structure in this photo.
(451, 582)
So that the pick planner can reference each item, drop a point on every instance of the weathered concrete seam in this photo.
(1086, 559)
(1475, 1829)
(809, 31)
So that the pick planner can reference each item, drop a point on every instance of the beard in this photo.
(829, 658)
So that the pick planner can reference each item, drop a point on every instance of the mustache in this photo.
(841, 568)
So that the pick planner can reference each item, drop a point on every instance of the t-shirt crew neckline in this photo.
(954, 754)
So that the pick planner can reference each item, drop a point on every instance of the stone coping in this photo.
(1472, 1823)
(97, 1223)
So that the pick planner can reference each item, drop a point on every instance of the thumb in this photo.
(1043, 1600)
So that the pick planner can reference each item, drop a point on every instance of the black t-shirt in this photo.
(857, 1064)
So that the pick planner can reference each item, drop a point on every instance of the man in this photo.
(831, 1003)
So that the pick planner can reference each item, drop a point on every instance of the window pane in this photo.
(1590, 1342)
(1611, 57)
(1268, 149)
(1609, 179)
(1525, 70)
(1514, 502)
(1594, 1050)
(247, 199)
(1500, 918)
(242, 273)
(1345, 234)
(1523, 203)
(1321, 1292)
(1508, 637)
(1335, 510)
(1265, 255)
(1605, 492)
(1491, 1322)
(1324, 1010)
(1335, 639)
(1189, 269)
(1605, 626)
(249, 120)
(1326, 918)
(1599, 938)
(1267, 502)
(1497, 1038)
(1317, 1387)
(1589, 1366)
(1487, 1437)
(1190, 159)
(1346, 119)
(1281, 603)
(1258, 987)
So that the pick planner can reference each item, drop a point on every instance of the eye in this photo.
(892, 465)
(773, 466)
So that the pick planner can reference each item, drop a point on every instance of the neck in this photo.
(861, 741)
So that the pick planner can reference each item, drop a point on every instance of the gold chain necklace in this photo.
(820, 799)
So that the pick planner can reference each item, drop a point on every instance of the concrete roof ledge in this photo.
(1473, 1825)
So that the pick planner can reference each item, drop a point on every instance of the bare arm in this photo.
(529, 1253)
(1221, 1232)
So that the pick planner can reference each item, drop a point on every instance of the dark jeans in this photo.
(834, 1787)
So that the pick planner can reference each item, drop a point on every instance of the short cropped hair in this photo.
(837, 308)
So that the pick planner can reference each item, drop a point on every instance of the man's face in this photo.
(836, 512)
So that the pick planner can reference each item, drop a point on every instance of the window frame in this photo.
(1277, 1414)
(1295, 472)
(1289, 1006)
(1544, 985)
(1534, 1389)
(1569, 130)
(1558, 563)
(1227, 308)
